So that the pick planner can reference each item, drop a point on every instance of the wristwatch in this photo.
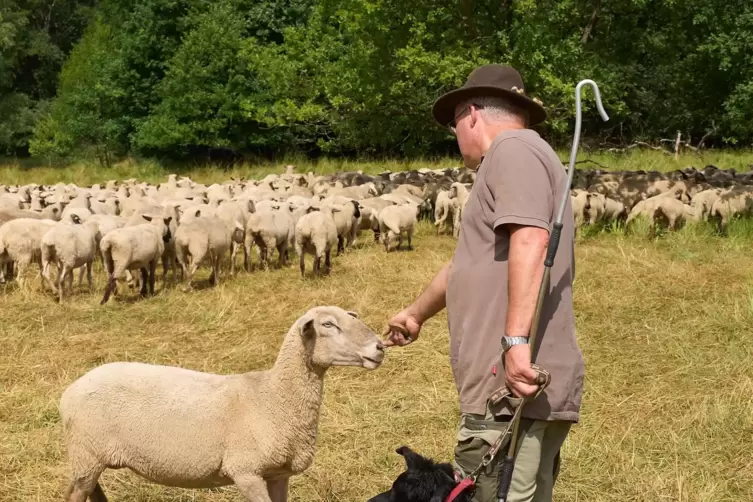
(509, 341)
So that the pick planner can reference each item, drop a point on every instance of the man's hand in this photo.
(519, 376)
(401, 325)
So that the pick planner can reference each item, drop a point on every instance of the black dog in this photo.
(423, 481)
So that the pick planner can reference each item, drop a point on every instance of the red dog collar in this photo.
(460, 488)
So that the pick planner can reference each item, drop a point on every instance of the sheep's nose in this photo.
(380, 346)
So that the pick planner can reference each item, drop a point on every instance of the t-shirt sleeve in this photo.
(520, 186)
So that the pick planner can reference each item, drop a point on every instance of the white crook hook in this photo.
(576, 138)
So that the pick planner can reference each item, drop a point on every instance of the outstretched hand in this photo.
(402, 330)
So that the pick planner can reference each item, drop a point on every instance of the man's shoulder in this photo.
(526, 139)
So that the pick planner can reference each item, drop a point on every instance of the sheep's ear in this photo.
(307, 329)
(146, 217)
(76, 220)
(353, 314)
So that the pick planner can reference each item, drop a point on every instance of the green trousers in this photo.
(536, 464)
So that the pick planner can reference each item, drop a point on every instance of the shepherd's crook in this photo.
(509, 462)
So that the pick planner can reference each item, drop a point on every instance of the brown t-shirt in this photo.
(520, 181)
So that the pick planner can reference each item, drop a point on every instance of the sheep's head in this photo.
(162, 223)
(335, 337)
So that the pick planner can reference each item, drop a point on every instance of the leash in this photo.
(508, 464)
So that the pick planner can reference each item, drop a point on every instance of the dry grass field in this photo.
(665, 326)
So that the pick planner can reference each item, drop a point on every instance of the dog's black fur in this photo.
(423, 481)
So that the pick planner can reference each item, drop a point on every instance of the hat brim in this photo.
(443, 109)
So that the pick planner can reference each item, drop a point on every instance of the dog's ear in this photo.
(412, 459)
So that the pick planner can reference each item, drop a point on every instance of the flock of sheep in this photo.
(133, 225)
(674, 198)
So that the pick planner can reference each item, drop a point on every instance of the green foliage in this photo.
(360, 76)
(88, 114)
(35, 37)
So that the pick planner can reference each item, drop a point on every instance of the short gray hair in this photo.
(497, 108)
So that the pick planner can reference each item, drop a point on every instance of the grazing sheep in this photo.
(20, 242)
(654, 206)
(68, 247)
(316, 233)
(270, 230)
(581, 203)
(184, 428)
(136, 247)
(674, 211)
(733, 203)
(394, 220)
(202, 238)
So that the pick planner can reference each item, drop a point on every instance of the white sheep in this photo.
(369, 209)
(460, 192)
(68, 247)
(269, 230)
(444, 207)
(347, 219)
(184, 428)
(205, 238)
(20, 242)
(137, 247)
(394, 220)
(316, 233)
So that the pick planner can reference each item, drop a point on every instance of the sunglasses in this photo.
(454, 122)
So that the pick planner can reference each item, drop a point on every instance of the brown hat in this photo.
(489, 80)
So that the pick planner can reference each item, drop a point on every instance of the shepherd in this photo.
(490, 289)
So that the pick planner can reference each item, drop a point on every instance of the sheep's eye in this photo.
(328, 324)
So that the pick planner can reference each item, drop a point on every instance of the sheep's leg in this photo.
(233, 253)
(327, 262)
(89, 274)
(340, 247)
(410, 236)
(67, 272)
(21, 266)
(86, 485)
(303, 265)
(317, 264)
(152, 276)
(46, 277)
(253, 488)
(278, 490)
(247, 252)
(144, 282)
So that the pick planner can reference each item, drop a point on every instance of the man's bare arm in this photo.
(405, 326)
(525, 271)
(433, 299)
